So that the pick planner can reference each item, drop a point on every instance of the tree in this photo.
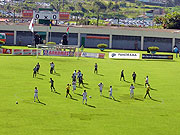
(169, 21)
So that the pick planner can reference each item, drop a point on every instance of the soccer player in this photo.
(74, 85)
(95, 68)
(132, 91)
(38, 67)
(122, 75)
(110, 93)
(146, 81)
(84, 96)
(73, 77)
(52, 68)
(68, 91)
(134, 77)
(147, 92)
(34, 71)
(36, 94)
(81, 80)
(52, 84)
(100, 87)
(79, 74)
(74, 73)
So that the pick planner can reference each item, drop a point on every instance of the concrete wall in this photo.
(122, 38)
(91, 42)
(57, 37)
(125, 42)
(164, 44)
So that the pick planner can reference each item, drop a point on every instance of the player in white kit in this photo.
(36, 94)
(74, 85)
(84, 96)
(132, 91)
(146, 81)
(100, 87)
(110, 92)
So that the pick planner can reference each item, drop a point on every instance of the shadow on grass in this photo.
(100, 74)
(127, 81)
(57, 93)
(155, 100)
(74, 99)
(41, 74)
(78, 94)
(153, 89)
(138, 99)
(139, 84)
(92, 106)
(40, 102)
(86, 83)
(111, 98)
(57, 74)
(79, 86)
(39, 78)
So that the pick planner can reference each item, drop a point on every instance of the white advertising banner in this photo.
(124, 55)
(90, 55)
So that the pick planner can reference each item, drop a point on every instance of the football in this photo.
(16, 102)
(90, 97)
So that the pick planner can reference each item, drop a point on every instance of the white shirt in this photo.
(74, 74)
(147, 80)
(100, 86)
(35, 91)
(110, 90)
(52, 65)
(84, 94)
(132, 89)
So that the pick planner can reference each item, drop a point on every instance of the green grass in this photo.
(63, 116)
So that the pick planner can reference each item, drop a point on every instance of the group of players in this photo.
(79, 76)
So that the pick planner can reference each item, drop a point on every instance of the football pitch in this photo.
(57, 115)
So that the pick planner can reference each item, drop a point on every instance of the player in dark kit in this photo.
(95, 68)
(38, 67)
(134, 77)
(34, 72)
(52, 85)
(122, 75)
(147, 92)
(81, 80)
(68, 91)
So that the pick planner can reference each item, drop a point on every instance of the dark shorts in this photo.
(95, 69)
(67, 91)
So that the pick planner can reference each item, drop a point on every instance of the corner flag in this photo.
(31, 25)
(50, 24)
(67, 31)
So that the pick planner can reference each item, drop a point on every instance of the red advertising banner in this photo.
(27, 52)
(7, 51)
(27, 13)
(34, 52)
(17, 52)
(101, 55)
(57, 53)
(64, 15)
